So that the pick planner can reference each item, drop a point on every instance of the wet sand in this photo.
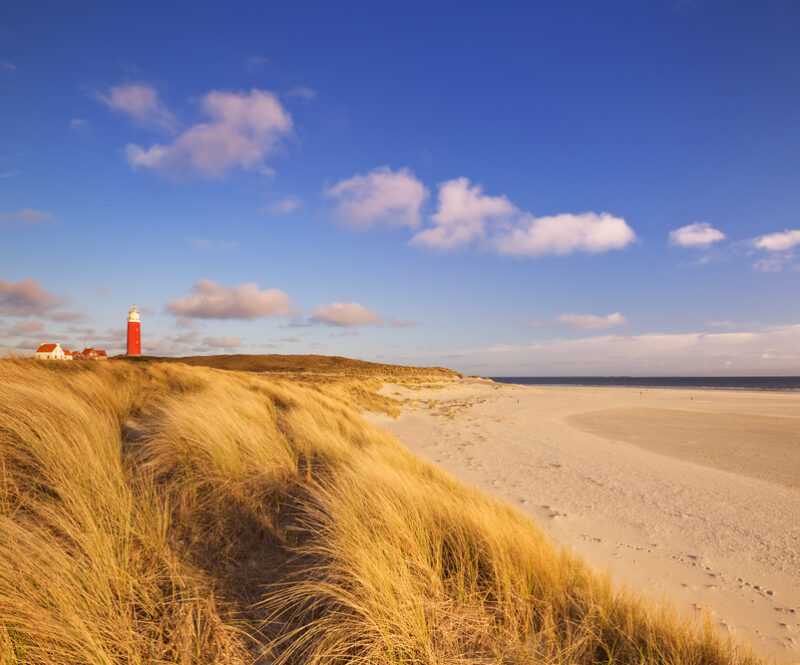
(690, 494)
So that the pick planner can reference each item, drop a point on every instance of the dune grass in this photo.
(161, 513)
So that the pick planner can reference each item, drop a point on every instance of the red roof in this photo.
(46, 348)
(67, 352)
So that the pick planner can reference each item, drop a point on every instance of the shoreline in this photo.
(689, 529)
(506, 380)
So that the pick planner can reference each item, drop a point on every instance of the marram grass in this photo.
(161, 513)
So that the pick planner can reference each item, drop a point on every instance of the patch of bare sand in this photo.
(765, 447)
(683, 494)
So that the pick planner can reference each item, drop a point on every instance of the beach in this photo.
(692, 495)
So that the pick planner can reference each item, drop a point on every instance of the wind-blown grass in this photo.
(160, 513)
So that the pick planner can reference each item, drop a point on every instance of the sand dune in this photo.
(693, 494)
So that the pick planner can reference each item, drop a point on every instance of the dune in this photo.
(691, 495)
(157, 512)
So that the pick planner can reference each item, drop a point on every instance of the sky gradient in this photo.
(566, 188)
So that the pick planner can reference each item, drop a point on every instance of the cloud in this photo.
(780, 246)
(462, 215)
(203, 244)
(382, 196)
(779, 242)
(563, 234)
(760, 351)
(29, 216)
(394, 323)
(302, 92)
(140, 102)
(701, 234)
(210, 300)
(774, 263)
(79, 124)
(465, 215)
(27, 327)
(222, 342)
(346, 315)
(8, 67)
(27, 298)
(187, 344)
(286, 205)
(590, 321)
(67, 316)
(243, 129)
(255, 63)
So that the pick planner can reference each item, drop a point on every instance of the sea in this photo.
(767, 383)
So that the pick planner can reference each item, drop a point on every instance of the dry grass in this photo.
(159, 513)
(314, 367)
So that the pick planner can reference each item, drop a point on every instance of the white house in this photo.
(50, 352)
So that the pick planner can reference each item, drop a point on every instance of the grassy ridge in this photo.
(159, 513)
(314, 365)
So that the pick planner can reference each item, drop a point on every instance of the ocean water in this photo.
(771, 383)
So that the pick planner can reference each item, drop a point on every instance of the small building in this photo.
(94, 354)
(67, 354)
(50, 352)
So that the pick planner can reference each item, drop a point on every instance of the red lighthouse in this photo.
(134, 333)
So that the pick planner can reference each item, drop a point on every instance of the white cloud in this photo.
(701, 234)
(26, 216)
(773, 263)
(563, 234)
(346, 314)
(255, 63)
(8, 67)
(779, 242)
(395, 323)
(590, 321)
(222, 342)
(465, 215)
(462, 214)
(286, 205)
(204, 244)
(382, 196)
(780, 246)
(79, 124)
(760, 351)
(26, 298)
(210, 300)
(67, 316)
(139, 101)
(27, 327)
(302, 92)
(243, 129)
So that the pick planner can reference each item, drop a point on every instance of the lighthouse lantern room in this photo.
(134, 333)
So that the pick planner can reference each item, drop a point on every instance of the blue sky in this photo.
(508, 188)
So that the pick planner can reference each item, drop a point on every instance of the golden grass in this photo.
(315, 367)
(159, 513)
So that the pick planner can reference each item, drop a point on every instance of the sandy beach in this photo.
(690, 493)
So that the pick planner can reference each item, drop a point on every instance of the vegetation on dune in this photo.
(311, 366)
(159, 513)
